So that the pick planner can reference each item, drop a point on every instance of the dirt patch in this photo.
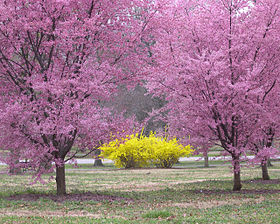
(88, 196)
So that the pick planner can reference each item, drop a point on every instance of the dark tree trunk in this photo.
(269, 164)
(265, 175)
(269, 143)
(60, 180)
(206, 160)
(62, 150)
(97, 161)
(236, 169)
(15, 170)
(237, 181)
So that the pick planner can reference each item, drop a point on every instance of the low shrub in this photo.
(136, 151)
(126, 152)
(166, 152)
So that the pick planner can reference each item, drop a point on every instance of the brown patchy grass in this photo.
(127, 180)
(22, 212)
(176, 190)
(216, 203)
(151, 186)
(86, 196)
(135, 179)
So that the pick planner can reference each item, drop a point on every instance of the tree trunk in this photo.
(237, 180)
(269, 164)
(206, 160)
(265, 175)
(97, 161)
(12, 169)
(271, 133)
(15, 170)
(60, 180)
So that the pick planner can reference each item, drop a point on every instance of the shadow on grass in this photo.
(175, 192)
(261, 181)
(244, 191)
(86, 196)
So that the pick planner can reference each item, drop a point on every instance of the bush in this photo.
(126, 152)
(166, 152)
(139, 151)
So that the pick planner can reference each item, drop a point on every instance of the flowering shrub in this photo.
(126, 152)
(166, 152)
(139, 151)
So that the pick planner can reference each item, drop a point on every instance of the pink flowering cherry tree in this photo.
(59, 60)
(268, 129)
(213, 60)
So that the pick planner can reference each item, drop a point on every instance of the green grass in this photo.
(157, 214)
(90, 166)
(186, 194)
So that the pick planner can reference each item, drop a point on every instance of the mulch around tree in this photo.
(87, 196)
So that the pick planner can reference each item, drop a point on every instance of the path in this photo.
(91, 161)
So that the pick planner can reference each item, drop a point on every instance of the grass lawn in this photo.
(185, 194)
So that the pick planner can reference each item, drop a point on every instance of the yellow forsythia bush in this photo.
(166, 152)
(139, 151)
(126, 152)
